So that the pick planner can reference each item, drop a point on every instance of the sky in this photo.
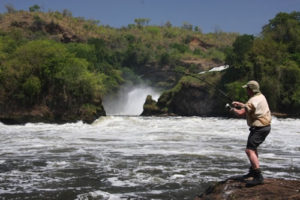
(241, 16)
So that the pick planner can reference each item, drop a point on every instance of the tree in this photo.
(168, 24)
(237, 57)
(187, 26)
(198, 29)
(140, 22)
(32, 88)
(10, 8)
(272, 59)
(285, 28)
(34, 8)
(67, 13)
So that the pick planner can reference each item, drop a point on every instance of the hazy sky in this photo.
(243, 16)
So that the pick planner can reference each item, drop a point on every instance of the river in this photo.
(131, 157)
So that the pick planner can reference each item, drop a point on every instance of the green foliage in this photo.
(241, 48)
(181, 48)
(235, 91)
(187, 26)
(103, 58)
(140, 22)
(67, 13)
(78, 81)
(290, 80)
(32, 88)
(38, 23)
(272, 59)
(85, 51)
(129, 75)
(165, 58)
(216, 54)
(34, 8)
(41, 68)
(153, 30)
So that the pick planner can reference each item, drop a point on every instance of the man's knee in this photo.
(249, 151)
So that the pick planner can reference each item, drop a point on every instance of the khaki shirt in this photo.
(257, 111)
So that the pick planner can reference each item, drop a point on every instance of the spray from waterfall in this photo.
(129, 100)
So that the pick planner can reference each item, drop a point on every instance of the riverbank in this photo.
(44, 114)
(271, 189)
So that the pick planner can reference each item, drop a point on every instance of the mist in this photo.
(129, 100)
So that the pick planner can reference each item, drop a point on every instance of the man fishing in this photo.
(259, 120)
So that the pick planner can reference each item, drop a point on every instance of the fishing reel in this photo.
(228, 107)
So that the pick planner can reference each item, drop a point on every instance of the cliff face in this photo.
(192, 100)
(186, 99)
(236, 190)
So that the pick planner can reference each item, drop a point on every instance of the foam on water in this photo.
(98, 195)
(147, 157)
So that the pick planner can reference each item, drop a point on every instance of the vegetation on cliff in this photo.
(273, 59)
(56, 67)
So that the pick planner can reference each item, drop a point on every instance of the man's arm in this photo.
(238, 109)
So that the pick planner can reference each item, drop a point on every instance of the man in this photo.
(259, 120)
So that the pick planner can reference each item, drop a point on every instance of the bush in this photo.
(236, 92)
(182, 48)
(34, 8)
(32, 88)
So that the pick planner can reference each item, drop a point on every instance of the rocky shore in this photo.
(236, 190)
(42, 113)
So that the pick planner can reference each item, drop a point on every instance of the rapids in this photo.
(120, 157)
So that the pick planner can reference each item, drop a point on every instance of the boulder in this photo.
(237, 190)
(187, 98)
(150, 108)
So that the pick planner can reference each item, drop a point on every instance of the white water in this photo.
(129, 100)
(136, 157)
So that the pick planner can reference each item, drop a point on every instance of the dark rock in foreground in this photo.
(237, 190)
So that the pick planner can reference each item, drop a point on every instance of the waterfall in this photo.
(129, 100)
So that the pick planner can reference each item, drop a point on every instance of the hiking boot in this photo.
(257, 180)
(243, 177)
(251, 173)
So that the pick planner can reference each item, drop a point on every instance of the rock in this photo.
(42, 113)
(150, 107)
(187, 99)
(237, 190)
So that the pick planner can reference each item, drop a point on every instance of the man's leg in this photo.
(253, 158)
(257, 176)
(255, 138)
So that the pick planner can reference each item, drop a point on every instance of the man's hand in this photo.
(237, 104)
(238, 108)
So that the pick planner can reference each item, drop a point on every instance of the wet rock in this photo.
(186, 99)
(237, 190)
(42, 113)
(150, 107)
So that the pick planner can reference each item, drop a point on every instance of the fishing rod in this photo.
(209, 84)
